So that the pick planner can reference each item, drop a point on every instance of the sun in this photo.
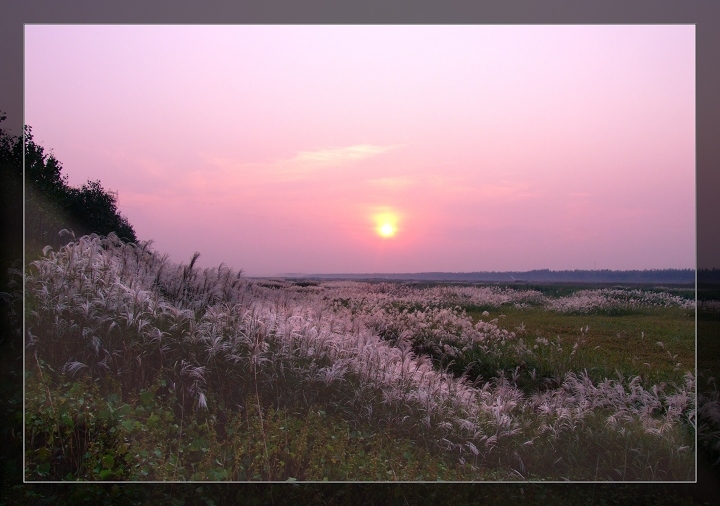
(386, 230)
(386, 224)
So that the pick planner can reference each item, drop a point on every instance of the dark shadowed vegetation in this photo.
(51, 204)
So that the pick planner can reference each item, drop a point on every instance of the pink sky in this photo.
(274, 148)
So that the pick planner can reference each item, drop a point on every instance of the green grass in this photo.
(76, 433)
(613, 342)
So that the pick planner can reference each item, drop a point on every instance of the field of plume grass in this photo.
(140, 369)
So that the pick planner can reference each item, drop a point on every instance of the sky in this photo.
(377, 149)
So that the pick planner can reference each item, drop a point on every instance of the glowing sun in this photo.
(386, 230)
(386, 224)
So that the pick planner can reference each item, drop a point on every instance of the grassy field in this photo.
(138, 369)
(626, 343)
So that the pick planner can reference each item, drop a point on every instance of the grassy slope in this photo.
(604, 330)
(612, 335)
(148, 430)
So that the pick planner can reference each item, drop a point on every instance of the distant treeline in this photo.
(669, 276)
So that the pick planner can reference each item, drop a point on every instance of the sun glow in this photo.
(386, 224)
(386, 230)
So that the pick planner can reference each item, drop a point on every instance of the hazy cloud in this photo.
(339, 156)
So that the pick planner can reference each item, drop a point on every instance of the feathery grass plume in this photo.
(394, 357)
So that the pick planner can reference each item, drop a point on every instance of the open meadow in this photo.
(140, 369)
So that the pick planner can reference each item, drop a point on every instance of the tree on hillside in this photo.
(50, 203)
(95, 211)
(47, 196)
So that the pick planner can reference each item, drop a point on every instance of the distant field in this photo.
(139, 369)
(627, 343)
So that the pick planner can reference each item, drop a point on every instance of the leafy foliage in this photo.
(95, 211)
(51, 204)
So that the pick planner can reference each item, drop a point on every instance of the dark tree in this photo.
(94, 210)
(50, 203)
(47, 197)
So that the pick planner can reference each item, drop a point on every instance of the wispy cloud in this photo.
(300, 166)
(341, 155)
